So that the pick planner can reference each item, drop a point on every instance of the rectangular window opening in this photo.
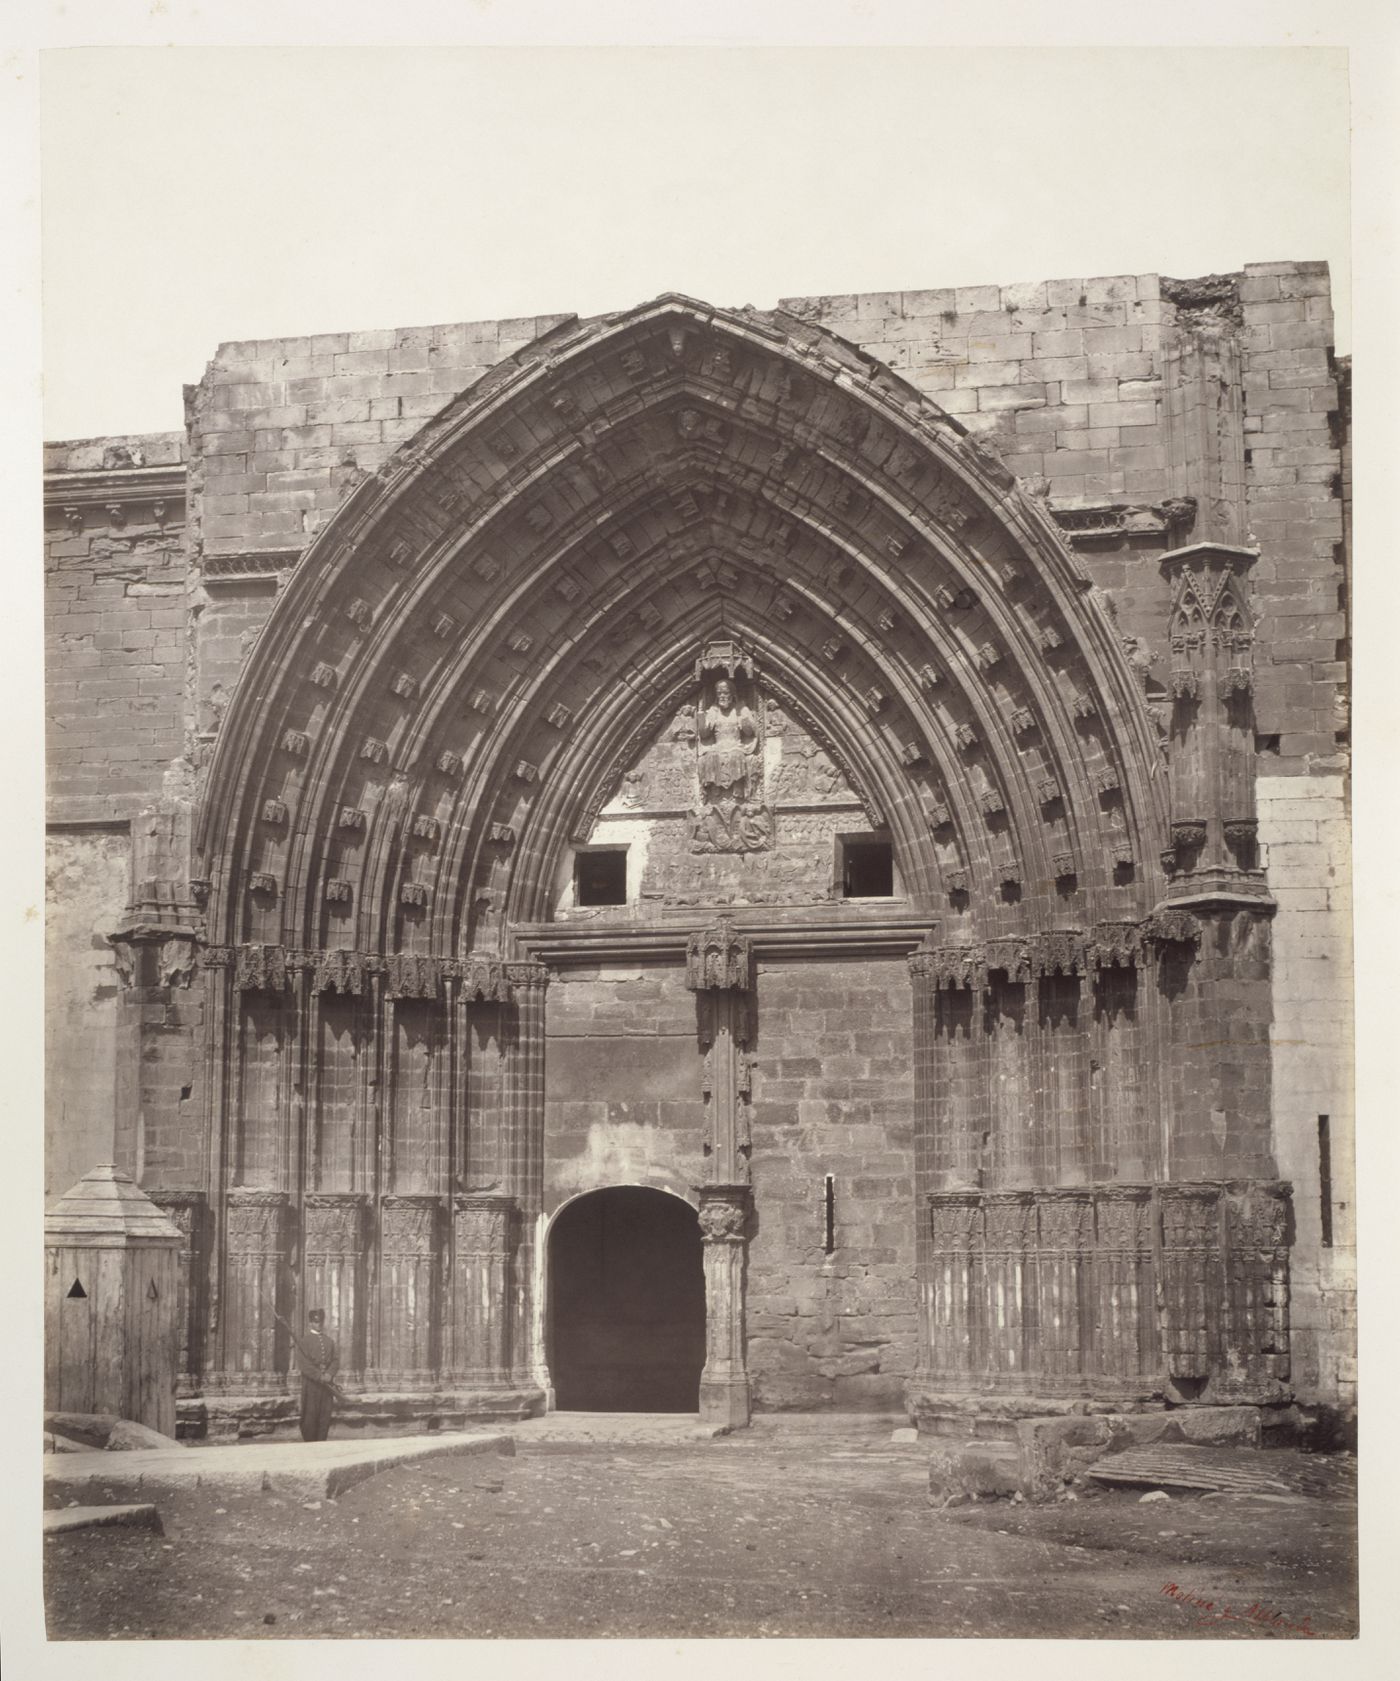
(867, 868)
(600, 878)
(1324, 1176)
(829, 1216)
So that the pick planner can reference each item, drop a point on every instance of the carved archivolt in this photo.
(904, 603)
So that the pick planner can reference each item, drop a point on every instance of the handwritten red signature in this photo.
(1218, 1610)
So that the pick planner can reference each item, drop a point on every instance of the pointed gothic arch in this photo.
(468, 658)
(473, 645)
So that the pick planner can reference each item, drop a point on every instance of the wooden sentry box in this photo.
(111, 1303)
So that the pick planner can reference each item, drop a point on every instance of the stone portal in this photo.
(627, 1303)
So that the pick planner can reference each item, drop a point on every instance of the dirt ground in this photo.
(752, 1535)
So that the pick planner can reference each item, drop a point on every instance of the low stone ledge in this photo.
(965, 1415)
(142, 1516)
(299, 1470)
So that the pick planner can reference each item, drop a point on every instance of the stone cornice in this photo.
(888, 934)
(99, 486)
(1111, 521)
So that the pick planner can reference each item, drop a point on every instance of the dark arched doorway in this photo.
(627, 1303)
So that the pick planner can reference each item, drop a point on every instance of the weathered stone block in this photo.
(974, 1470)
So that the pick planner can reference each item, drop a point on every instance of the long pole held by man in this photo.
(318, 1361)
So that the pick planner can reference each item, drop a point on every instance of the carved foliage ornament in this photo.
(723, 1221)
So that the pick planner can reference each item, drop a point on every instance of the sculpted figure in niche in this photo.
(731, 816)
(729, 744)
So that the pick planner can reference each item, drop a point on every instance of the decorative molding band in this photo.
(1056, 951)
(102, 487)
(246, 566)
(883, 934)
(405, 975)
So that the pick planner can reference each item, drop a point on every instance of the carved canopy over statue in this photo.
(718, 958)
(731, 815)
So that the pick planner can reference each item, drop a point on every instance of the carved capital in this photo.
(261, 969)
(407, 976)
(532, 976)
(483, 1224)
(951, 967)
(1123, 1218)
(955, 1221)
(1172, 928)
(333, 1223)
(154, 954)
(1011, 956)
(718, 958)
(1065, 1220)
(1010, 1220)
(724, 1212)
(339, 971)
(483, 979)
(255, 1222)
(409, 1225)
(1058, 951)
(1259, 1215)
(1114, 945)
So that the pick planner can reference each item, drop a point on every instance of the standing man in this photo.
(319, 1361)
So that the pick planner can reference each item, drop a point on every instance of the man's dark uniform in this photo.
(319, 1362)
